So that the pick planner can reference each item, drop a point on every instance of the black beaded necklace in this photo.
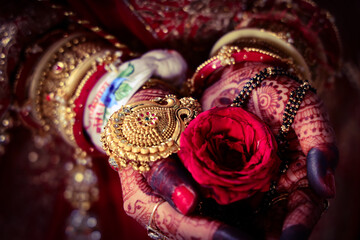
(296, 97)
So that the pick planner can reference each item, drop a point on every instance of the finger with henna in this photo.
(139, 203)
(304, 210)
(317, 140)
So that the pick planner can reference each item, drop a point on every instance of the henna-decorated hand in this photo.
(312, 138)
(168, 179)
(312, 150)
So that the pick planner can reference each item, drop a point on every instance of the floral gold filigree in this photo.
(145, 131)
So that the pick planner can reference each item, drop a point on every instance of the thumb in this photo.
(169, 178)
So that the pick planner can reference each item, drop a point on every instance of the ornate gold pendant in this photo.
(143, 132)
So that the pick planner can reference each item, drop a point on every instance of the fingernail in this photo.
(321, 177)
(184, 199)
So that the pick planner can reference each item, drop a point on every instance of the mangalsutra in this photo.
(295, 99)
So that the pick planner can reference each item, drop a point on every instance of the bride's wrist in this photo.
(54, 93)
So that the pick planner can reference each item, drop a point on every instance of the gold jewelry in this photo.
(60, 76)
(81, 189)
(229, 55)
(154, 82)
(309, 37)
(154, 233)
(224, 56)
(145, 131)
(269, 41)
(7, 38)
(293, 68)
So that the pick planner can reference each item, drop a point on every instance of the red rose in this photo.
(230, 152)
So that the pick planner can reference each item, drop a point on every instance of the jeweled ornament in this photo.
(143, 132)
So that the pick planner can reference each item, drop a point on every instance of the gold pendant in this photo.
(143, 132)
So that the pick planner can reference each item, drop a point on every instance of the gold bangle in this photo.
(145, 131)
(231, 54)
(269, 41)
(290, 33)
(60, 76)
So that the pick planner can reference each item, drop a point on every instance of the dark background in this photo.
(342, 220)
(27, 204)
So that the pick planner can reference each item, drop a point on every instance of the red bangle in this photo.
(81, 137)
(228, 55)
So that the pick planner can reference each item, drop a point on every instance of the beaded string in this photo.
(258, 78)
(296, 97)
(293, 104)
